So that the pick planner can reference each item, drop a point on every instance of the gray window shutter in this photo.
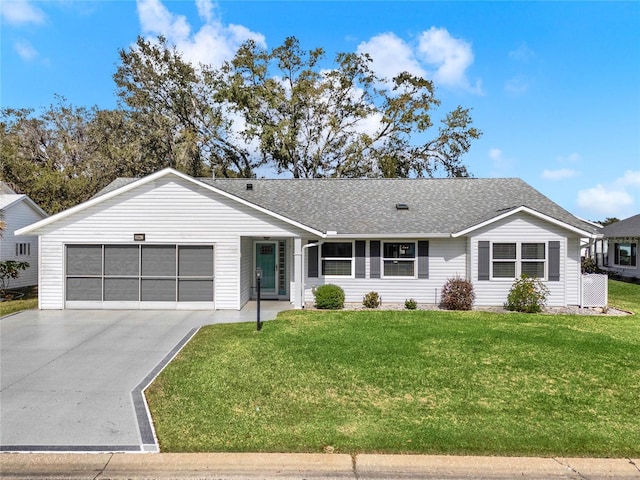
(484, 260)
(554, 261)
(312, 261)
(374, 256)
(360, 258)
(423, 259)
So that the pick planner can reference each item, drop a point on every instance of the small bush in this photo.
(410, 304)
(527, 294)
(329, 297)
(371, 300)
(457, 294)
(588, 265)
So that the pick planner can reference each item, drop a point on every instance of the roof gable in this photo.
(9, 200)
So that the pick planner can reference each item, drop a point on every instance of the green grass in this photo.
(420, 382)
(27, 302)
(624, 295)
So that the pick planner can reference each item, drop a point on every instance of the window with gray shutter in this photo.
(554, 261)
(360, 258)
(423, 259)
(374, 258)
(484, 260)
(312, 261)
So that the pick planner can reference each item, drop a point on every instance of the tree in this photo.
(10, 269)
(179, 121)
(608, 221)
(50, 157)
(313, 122)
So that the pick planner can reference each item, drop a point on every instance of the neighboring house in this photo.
(172, 241)
(17, 212)
(619, 247)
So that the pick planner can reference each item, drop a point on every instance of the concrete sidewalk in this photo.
(236, 466)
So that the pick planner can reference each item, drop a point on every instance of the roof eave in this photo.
(532, 212)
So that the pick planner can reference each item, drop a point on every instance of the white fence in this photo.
(594, 290)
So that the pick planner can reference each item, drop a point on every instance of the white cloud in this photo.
(500, 165)
(451, 57)
(630, 178)
(517, 85)
(571, 158)
(620, 198)
(436, 55)
(522, 54)
(25, 50)
(391, 55)
(18, 12)
(212, 43)
(603, 200)
(559, 174)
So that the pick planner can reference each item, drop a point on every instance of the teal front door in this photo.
(266, 259)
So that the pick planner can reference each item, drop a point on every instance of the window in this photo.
(399, 259)
(510, 260)
(337, 258)
(23, 249)
(626, 254)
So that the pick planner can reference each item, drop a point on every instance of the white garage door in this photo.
(158, 276)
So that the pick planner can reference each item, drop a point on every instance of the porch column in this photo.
(298, 275)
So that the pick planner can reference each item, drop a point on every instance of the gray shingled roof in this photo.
(368, 206)
(629, 227)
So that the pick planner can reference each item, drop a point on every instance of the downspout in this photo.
(302, 264)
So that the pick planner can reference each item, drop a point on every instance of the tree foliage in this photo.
(280, 109)
(344, 121)
(176, 113)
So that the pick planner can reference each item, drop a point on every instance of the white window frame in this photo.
(518, 260)
(351, 259)
(616, 254)
(413, 260)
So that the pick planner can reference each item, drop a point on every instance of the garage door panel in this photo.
(158, 290)
(195, 261)
(158, 260)
(195, 290)
(121, 289)
(84, 260)
(87, 289)
(121, 260)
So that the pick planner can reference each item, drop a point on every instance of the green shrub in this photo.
(527, 294)
(371, 300)
(457, 294)
(410, 304)
(588, 265)
(329, 297)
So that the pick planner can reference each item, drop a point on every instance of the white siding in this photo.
(447, 259)
(168, 210)
(522, 227)
(16, 216)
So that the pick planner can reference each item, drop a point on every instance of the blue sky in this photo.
(554, 86)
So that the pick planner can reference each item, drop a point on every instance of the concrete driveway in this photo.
(72, 380)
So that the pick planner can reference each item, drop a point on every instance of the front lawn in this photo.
(420, 382)
(27, 301)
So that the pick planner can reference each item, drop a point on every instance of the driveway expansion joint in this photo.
(104, 468)
(569, 467)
